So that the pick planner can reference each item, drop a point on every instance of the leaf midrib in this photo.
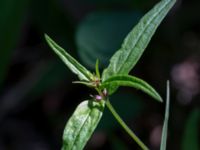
(81, 127)
(72, 61)
(127, 57)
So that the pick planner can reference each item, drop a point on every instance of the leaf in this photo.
(94, 36)
(81, 125)
(73, 64)
(165, 126)
(137, 40)
(131, 81)
(191, 133)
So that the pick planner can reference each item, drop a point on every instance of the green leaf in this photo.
(137, 40)
(73, 64)
(131, 81)
(165, 126)
(191, 133)
(81, 125)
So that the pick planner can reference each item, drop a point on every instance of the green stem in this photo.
(126, 128)
(99, 91)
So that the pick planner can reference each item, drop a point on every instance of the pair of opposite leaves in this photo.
(84, 120)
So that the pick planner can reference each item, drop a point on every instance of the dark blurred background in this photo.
(36, 92)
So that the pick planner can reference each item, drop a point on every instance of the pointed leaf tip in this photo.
(165, 125)
(72, 63)
(131, 81)
(137, 40)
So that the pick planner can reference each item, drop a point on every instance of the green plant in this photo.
(190, 135)
(86, 117)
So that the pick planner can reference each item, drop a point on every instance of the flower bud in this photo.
(98, 97)
(105, 93)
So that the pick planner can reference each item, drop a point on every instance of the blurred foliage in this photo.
(191, 134)
(102, 33)
(36, 94)
(12, 13)
(118, 144)
(128, 109)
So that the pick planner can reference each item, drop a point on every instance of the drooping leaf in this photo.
(191, 133)
(73, 64)
(165, 125)
(137, 40)
(81, 125)
(131, 81)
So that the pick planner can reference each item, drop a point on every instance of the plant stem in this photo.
(126, 128)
